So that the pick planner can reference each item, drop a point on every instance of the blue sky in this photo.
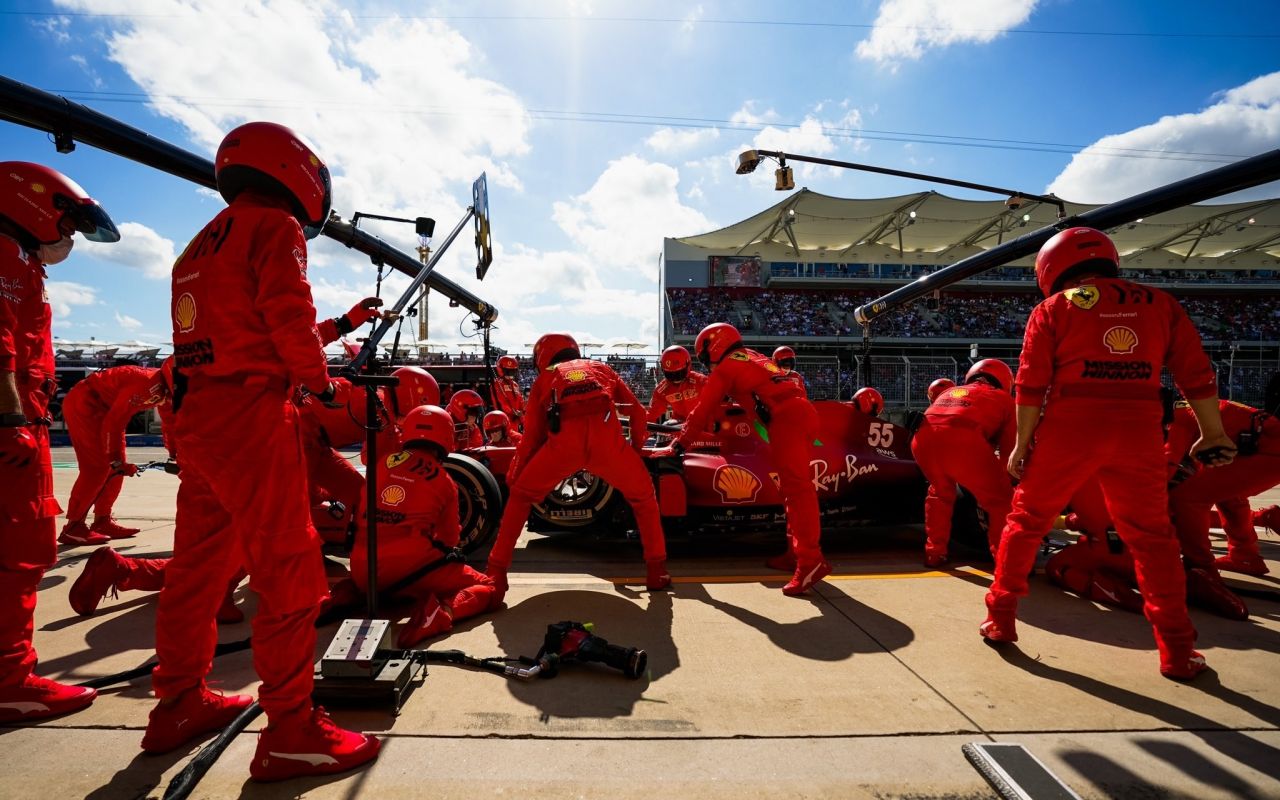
(605, 126)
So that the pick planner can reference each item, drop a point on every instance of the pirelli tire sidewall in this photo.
(590, 507)
(479, 501)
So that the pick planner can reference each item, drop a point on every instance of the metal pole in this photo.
(1244, 174)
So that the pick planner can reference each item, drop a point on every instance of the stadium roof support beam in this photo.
(785, 212)
(1258, 245)
(1002, 223)
(893, 222)
(1210, 226)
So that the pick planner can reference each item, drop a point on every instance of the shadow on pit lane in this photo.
(1193, 763)
(1232, 744)
(589, 690)
(1114, 780)
(825, 637)
(140, 776)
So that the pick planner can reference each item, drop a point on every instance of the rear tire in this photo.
(579, 501)
(479, 502)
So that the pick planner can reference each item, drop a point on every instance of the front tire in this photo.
(479, 501)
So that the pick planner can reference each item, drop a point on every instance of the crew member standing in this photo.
(869, 401)
(466, 407)
(97, 411)
(956, 446)
(244, 335)
(507, 396)
(571, 424)
(938, 387)
(40, 211)
(418, 529)
(680, 387)
(778, 400)
(1092, 357)
(785, 358)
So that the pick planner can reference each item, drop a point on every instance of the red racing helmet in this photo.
(273, 159)
(994, 370)
(428, 423)
(417, 387)
(47, 205)
(1068, 249)
(464, 403)
(869, 401)
(675, 363)
(497, 421)
(552, 348)
(938, 387)
(715, 342)
(785, 357)
(507, 367)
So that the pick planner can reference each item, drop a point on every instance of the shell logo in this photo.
(315, 162)
(184, 313)
(576, 375)
(1120, 340)
(393, 495)
(959, 393)
(735, 484)
(38, 188)
(771, 367)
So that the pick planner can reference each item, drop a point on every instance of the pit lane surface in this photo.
(866, 689)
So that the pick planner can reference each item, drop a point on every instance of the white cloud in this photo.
(65, 294)
(690, 20)
(904, 29)
(127, 322)
(139, 247)
(666, 141)
(56, 28)
(620, 221)
(747, 115)
(1244, 121)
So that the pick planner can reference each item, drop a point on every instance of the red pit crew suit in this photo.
(755, 382)
(956, 444)
(1089, 567)
(1191, 501)
(331, 476)
(28, 510)
(680, 397)
(244, 333)
(417, 525)
(97, 411)
(1092, 355)
(590, 438)
(507, 397)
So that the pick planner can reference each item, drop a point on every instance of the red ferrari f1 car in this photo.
(862, 468)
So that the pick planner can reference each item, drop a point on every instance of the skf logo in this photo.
(184, 313)
(735, 484)
(1120, 340)
(576, 375)
(958, 393)
(396, 459)
(1085, 297)
(393, 495)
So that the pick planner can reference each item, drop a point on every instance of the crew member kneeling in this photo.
(418, 530)
(571, 424)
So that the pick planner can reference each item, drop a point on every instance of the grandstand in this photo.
(794, 273)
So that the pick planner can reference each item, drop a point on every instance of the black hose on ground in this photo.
(184, 783)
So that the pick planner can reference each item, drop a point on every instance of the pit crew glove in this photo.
(18, 447)
(333, 396)
(359, 314)
(125, 468)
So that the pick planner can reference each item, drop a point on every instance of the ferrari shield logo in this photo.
(396, 459)
(1085, 297)
(736, 484)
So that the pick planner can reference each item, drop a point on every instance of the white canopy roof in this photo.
(932, 228)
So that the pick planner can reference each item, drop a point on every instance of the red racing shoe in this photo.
(196, 712)
(1206, 590)
(78, 534)
(113, 530)
(807, 574)
(786, 562)
(307, 742)
(103, 572)
(1001, 624)
(1245, 565)
(38, 698)
(656, 576)
(1182, 664)
(429, 619)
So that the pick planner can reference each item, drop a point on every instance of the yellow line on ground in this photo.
(783, 578)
